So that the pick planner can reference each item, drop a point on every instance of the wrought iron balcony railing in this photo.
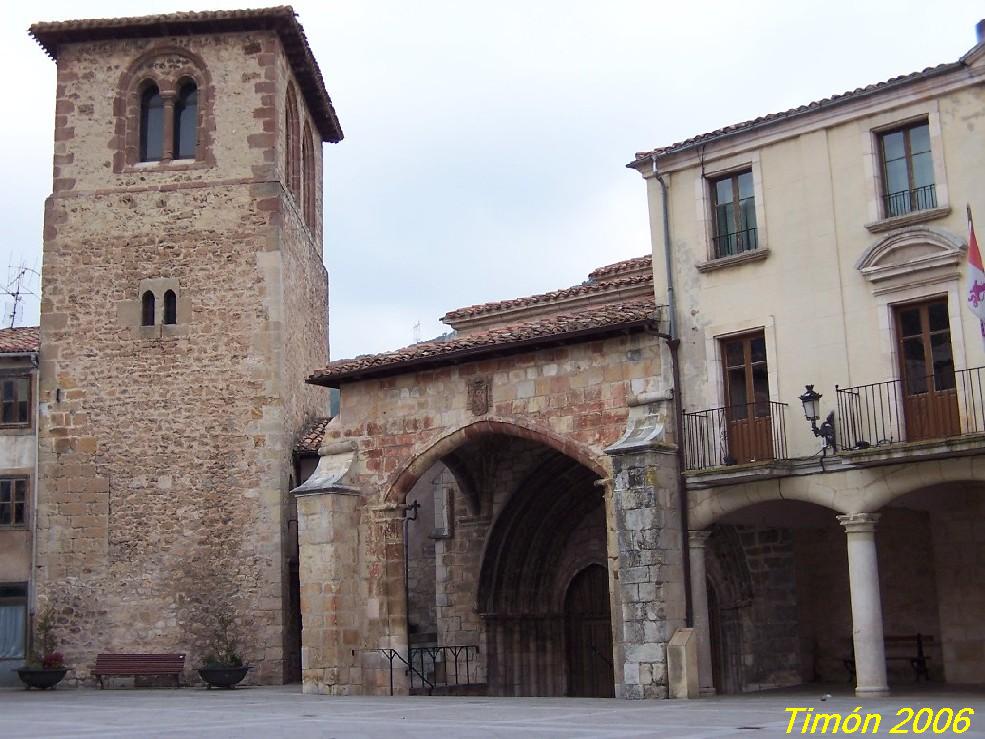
(737, 434)
(906, 201)
(948, 404)
(736, 242)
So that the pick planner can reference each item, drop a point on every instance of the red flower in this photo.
(53, 660)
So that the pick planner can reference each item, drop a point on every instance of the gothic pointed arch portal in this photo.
(502, 566)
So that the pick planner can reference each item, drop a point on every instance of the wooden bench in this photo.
(911, 644)
(133, 665)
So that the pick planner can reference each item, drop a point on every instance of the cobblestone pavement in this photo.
(284, 711)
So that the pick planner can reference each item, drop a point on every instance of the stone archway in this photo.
(445, 447)
(551, 526)
(777, 597)
(927, 541)
(729, 593)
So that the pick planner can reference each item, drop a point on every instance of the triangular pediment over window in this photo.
(913, 256)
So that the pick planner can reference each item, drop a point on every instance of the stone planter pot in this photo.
(219, 676)
(41, 678)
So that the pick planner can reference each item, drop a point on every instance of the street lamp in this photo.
(811, 401)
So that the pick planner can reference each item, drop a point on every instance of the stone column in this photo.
(328, 525)
(863, 574)
(699, 604)
(167, 148)
(647, 565)
(333, 613)
(386, 604)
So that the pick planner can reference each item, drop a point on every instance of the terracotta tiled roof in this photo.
(586, 288)
(527, 336)
(281, 19)
(312, 436)
(770, 118)
(21, 339)
(629, 265)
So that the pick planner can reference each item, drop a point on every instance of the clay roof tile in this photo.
(636, 271)
(20, 339)
(553, 329)
(585, 288)
(311, 436)
(844, 97)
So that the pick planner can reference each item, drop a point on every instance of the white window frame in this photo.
(872, 162)
(748, 161)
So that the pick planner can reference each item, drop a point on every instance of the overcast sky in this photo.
(485, 143)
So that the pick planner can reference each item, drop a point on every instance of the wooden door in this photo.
(927, 380)
(589, 634)
(749, 428)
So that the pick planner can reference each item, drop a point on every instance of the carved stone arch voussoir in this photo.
(912, 255)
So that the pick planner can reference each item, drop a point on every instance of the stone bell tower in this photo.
(184, 302)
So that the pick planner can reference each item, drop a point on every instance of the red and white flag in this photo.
(976, 276)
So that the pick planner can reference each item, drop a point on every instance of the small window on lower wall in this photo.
(13, 501)
(13, 620)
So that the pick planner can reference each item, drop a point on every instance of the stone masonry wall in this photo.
(959, 548)
(771, 654)
(646, 571)
(571, 398)
(165, 452)
(285, 75)
(907, 588)
(421, 553)
(297, 307)
(824, 601)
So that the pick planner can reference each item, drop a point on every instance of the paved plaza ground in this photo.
(285, 712)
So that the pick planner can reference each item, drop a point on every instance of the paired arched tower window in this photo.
(300, 169)
(168, 124)
(164, 110)
(308, 163)
(148, 308)
(292, 158)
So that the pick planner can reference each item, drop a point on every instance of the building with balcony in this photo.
(825, 246)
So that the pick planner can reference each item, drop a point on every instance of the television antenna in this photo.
(21, 282)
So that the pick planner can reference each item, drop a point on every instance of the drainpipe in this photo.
(668, 258)
(32, 579)
(674, 344)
